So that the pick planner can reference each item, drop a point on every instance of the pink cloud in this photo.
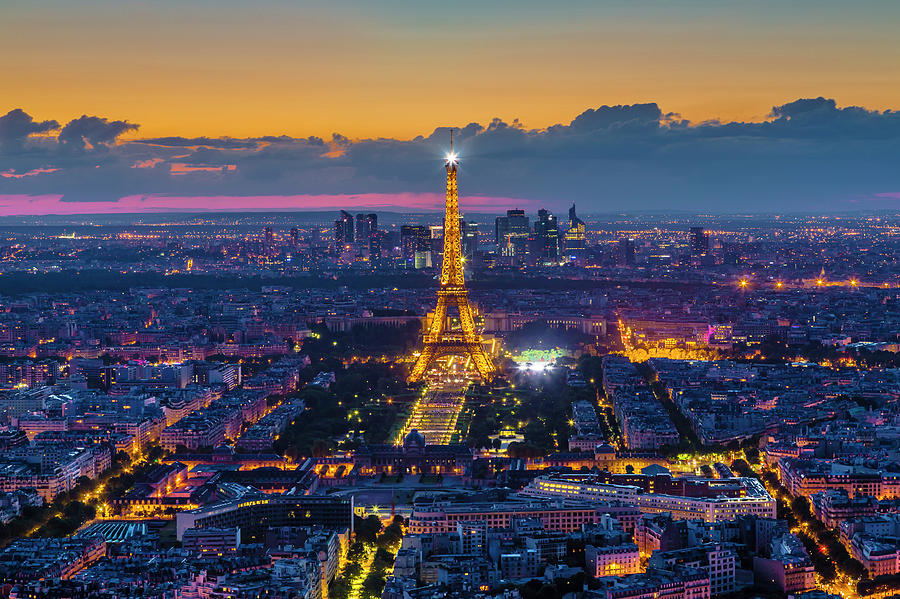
(149, 163)
(11, 174)
(180, 168)
(26, 205)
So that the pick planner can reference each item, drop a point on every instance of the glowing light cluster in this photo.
(534, 366)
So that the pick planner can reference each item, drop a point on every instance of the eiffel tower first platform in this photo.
(439, 339)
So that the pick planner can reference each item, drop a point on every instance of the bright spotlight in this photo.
(452, 158)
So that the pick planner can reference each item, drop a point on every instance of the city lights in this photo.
(650, 350)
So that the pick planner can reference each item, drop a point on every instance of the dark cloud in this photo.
(225, 143)
(821, 117)
(312, 139)
(17, 125)
(805, 107)
(93, 130)
(639, 116)
(809, 154)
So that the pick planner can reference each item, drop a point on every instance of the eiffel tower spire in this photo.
(439, 340)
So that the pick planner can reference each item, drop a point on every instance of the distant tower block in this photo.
(439, 339)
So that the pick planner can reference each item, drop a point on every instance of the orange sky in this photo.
(398, 68)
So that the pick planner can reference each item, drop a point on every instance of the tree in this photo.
(392, 534)
(752, 454)
(367, 528)
(319, 448)
(537, 435)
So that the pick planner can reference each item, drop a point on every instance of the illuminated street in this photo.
(356, 584)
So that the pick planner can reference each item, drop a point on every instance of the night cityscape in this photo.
(622, 354)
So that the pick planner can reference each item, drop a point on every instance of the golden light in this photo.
(820, 282)
(743, 283)
(854, 282)
(452, 158)
(779, 284)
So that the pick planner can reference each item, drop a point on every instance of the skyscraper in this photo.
(625, 255)
(469, 232)
(415, 239)
(576, 244)
(343, 229)
(546, 230)
(295, 237)
(699, 242)
(511, 234)
(376, 242)
(270, 237)
(366, 225)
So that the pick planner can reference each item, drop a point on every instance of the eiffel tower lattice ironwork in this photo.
(439, 339)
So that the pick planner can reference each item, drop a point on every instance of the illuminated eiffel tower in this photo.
(439, 339)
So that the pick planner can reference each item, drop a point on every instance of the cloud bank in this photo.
(809, 155)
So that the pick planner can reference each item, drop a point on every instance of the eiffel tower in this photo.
(439, 340)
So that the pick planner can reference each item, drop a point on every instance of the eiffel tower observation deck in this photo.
(439, 339)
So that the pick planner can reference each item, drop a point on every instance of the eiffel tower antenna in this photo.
(438, 338)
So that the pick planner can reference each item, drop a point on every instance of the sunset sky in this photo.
(399, 69)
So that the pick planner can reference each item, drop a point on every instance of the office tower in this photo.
(439, 340)
(270, 237)
(437, 237)
(295, 237)
(511, 234)
(469, 232)
(625, 255)
(390, 241)
(699, 243)
(376, 242)
(343, 229)
(415, 240)
(576, 245)
(546, 232)
(366, 225)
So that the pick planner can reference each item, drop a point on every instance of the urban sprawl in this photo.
(664, 406)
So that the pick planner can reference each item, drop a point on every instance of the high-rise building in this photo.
(625, 255)
(576, 244)
(469, 232)
(415, 239)
(270, 237)
(511, 233)
(295, 237)
(376, 243)
(546, 231)
(343, 229)
(699, 242)
(366, 225)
